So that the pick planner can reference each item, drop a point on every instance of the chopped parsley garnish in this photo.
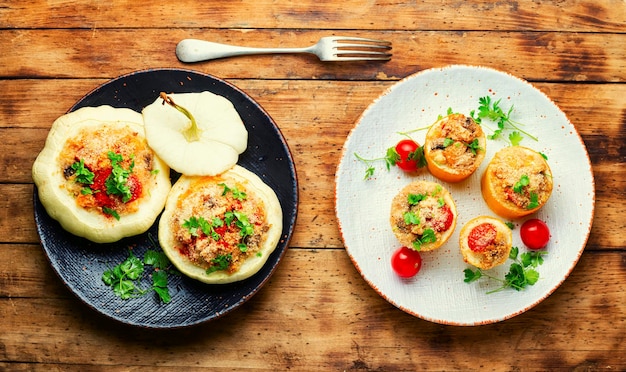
(195, 224)
(427, 237)
(534, 201)
(410, 218)
(521, 273)
(245, 227)
(220, 263)
(83, 174)
(239, 195)
(413, 199)
(519, 185)
(117, 182)
(111, 212)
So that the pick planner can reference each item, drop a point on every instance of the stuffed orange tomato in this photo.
(516, 182)
(454, 147)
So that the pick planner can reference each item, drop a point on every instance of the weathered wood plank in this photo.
(570, 15)
(106, 53)
(312, 293)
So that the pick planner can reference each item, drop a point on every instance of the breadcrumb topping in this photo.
(209, 199)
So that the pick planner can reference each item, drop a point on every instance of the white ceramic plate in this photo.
(438, 293)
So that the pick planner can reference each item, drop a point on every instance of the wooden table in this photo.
(316, 312)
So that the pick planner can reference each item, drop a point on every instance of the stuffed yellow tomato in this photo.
(423, 215)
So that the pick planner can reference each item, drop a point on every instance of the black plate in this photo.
(80, 263)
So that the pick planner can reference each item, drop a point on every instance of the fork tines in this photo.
(358, 48)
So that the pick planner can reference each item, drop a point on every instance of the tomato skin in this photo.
(406, 262)
(535, 233)
(481, 237)
(406, 148)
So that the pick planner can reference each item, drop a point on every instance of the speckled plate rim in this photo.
(200, 302)
(414, 102)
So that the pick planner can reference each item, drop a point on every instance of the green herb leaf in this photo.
(239, 195)
(474, 146)
(471, 275)
(117, 182)
(427, 237)
(156, 259)
(490, 110)
(519, 185)
(159, 285)
(219, 263)
(196, 224)
(515, 138)
(521, 273)
(83, 174)
(534, 201)
(410, 218)
(111, 212)
(413, 199)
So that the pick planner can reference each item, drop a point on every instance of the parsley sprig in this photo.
(491, 110)
(124, 278)
(521, 273)
(390, 159)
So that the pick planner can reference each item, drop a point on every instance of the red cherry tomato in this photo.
(406, 148)
(535, 233)
(406, 262)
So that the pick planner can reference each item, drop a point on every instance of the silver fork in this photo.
(330, 48)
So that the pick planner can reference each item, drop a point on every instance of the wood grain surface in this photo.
(316, 312)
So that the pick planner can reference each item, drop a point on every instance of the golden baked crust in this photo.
(454, 147)
(220, 229)
(485, 242)
(84, 150)
(423, 215)
(517, 182)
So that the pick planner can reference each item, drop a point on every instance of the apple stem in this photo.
(192, 133)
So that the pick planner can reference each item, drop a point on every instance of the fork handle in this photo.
(194, 50)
